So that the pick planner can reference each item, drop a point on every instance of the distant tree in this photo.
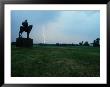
(96, 43)
(86, 43)
(73, 44)
(81, 43)
(57, 44)
(41, 44)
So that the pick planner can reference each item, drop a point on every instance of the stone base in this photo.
(24, 42)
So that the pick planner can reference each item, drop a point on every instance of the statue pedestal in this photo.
(24, 42)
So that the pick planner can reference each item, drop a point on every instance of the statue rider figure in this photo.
(25, 27)
(25, 24)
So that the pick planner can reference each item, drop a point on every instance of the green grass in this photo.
(55, 61)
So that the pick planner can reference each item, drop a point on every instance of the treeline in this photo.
(96, 43)
(57, 44)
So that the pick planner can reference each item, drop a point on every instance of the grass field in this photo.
(55, 61)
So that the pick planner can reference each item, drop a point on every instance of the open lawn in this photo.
(55, 61)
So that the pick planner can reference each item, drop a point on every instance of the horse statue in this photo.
(25, 28)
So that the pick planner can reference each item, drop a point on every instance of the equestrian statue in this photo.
(25, 27)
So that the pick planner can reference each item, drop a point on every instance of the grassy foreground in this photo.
(55, 61)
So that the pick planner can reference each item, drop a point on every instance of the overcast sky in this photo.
(57, 26)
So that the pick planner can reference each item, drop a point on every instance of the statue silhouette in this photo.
(25, 27)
